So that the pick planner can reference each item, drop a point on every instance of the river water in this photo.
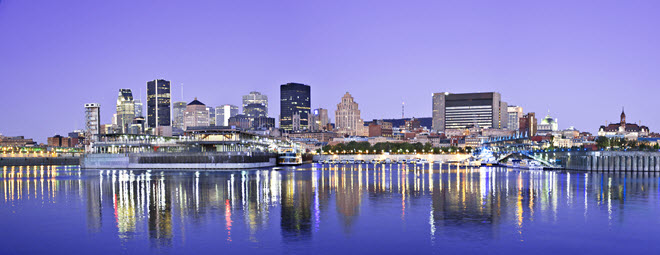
(321, 209)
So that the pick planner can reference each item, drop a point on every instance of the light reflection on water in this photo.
(362, 207)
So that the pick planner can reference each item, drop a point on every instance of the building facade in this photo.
(211, 111)
(138, 108)
(630, 131)
(319, 120)
(178, 108)
(514, 114)
(93, 118)
(158, 103)
(460, 111)
(295, 98)
(223, 113)
(347, 117)
(548, 125)
(196, 115)
(240, 121)
(255, 111)
(255, 98)
(125, 110)
(528, 124)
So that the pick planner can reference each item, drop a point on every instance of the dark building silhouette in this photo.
(158, 103)
(295, 99)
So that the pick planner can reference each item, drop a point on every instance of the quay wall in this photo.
(606, 161)
(397, 157)
(226, 160)
(39, 161)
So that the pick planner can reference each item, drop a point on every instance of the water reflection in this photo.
(455, 202)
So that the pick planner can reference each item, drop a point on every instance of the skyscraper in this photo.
(211, 111)
(253, 111)
(196, 115)
(347, 117)
(255, 98)
(223, 113)
(459, 111)
(125, 110)
(177, 114)
(138, 108)
(158, 103)
(93, 118)
(515, 113)
(295, 99)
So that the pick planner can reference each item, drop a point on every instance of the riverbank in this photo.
(39, 161)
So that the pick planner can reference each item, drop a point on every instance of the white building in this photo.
(223, 113)
(514, 114)
(347, 118)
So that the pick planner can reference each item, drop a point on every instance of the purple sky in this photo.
(582, 61)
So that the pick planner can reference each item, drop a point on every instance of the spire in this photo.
(623, 116)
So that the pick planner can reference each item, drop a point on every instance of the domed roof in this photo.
(195, 102)
(548, 120)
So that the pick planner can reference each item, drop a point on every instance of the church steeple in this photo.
(623, 117)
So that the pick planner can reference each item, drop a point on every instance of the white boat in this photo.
(388, 161)
(289, 158)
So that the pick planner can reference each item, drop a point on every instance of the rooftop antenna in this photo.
(403, 109)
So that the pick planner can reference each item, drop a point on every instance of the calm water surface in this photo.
(328, 210)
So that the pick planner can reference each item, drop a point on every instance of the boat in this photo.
(422, 161)
(388, 161)
(289, 158)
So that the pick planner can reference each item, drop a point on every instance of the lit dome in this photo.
(548, 120)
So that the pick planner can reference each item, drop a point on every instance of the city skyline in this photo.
(583, 66)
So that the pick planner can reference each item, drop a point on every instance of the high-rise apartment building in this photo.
(158, 103)
(460, 111)
(93, 118)
(255, 98)
(347, 117)
(196, 115)
(514, 113)
(295, 99)
(178, 108)
(223, 113)
(125, 110)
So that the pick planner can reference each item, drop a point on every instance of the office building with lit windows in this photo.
(93, 118)
(158, 103)
(461, 111)
(125, 110)
(295, 99)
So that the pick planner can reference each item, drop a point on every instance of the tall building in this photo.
(347, 117)
(138, 108)
(295, 98)
(515, 113)
(211, 111)
(223, 113)
(195, 115)
(319, 119)
(253, 111)
(93, 118)
(178, 108)
(461, 111)
(528, 124)
(255, 98)
(125, 110)
(158, 103)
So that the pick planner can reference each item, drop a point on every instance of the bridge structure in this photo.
(518, 146)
